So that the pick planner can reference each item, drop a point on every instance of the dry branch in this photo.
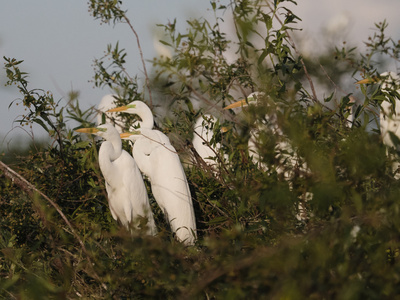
(142, 59)
(31, 190)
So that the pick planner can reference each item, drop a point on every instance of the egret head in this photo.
(107, 102)
(389, 80)
(130, 108)
(206, 123)
(103, 131)
(390, 86)
(137, 108)
(251, 99)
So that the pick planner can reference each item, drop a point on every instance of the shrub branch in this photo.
(31, 190)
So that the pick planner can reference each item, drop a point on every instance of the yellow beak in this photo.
(118, 109)
(240, 103)
(368, 80)
(126, 135)
(87, 130)
(224, 129)
(364, 81)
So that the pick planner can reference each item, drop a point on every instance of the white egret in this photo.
(351, 117)
(159, 161)
(203, 134)
(127, 195)
(389, 117)
(106, 103)
(288, 161)
(287, 158)
(252, 143)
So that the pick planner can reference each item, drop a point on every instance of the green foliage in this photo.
(325, 226)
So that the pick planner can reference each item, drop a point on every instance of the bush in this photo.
(324, 227)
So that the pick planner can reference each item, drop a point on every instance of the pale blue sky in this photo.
(58, 40)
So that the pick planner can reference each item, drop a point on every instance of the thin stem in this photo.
(208, 102)
(343, 91)
(293, 45)
(142, 59)
(330, 79)
(217, 154)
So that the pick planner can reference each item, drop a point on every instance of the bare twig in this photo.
(211, 203)
(217, 154)
(161, 144)
(142, 59)
(330, 79)
(352, 98)
(211, 104)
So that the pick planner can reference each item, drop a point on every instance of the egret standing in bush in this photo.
(288, 159)
(389, 117)
(202, 141)
(159, 161)
(127, 194)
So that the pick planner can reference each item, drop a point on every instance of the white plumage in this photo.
(203, 134)
(288, 161)
(389, 117)
(159, 161)
(106, 103)
(390, 114)
(127, 195)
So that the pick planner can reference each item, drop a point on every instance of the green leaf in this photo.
(41, 123)
(267, 21)
(82, 144)
(218, 220)
(165, 43)
(329, 98)
(263, 56)
(214, 5)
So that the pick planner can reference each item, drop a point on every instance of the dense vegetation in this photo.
(58, 239)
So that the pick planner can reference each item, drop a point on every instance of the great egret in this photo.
(106, 103)
(287, 158)
(252, 143)
(203, 134)
(127, 195)
(159, 161)
(350, 106)
(389, 117)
